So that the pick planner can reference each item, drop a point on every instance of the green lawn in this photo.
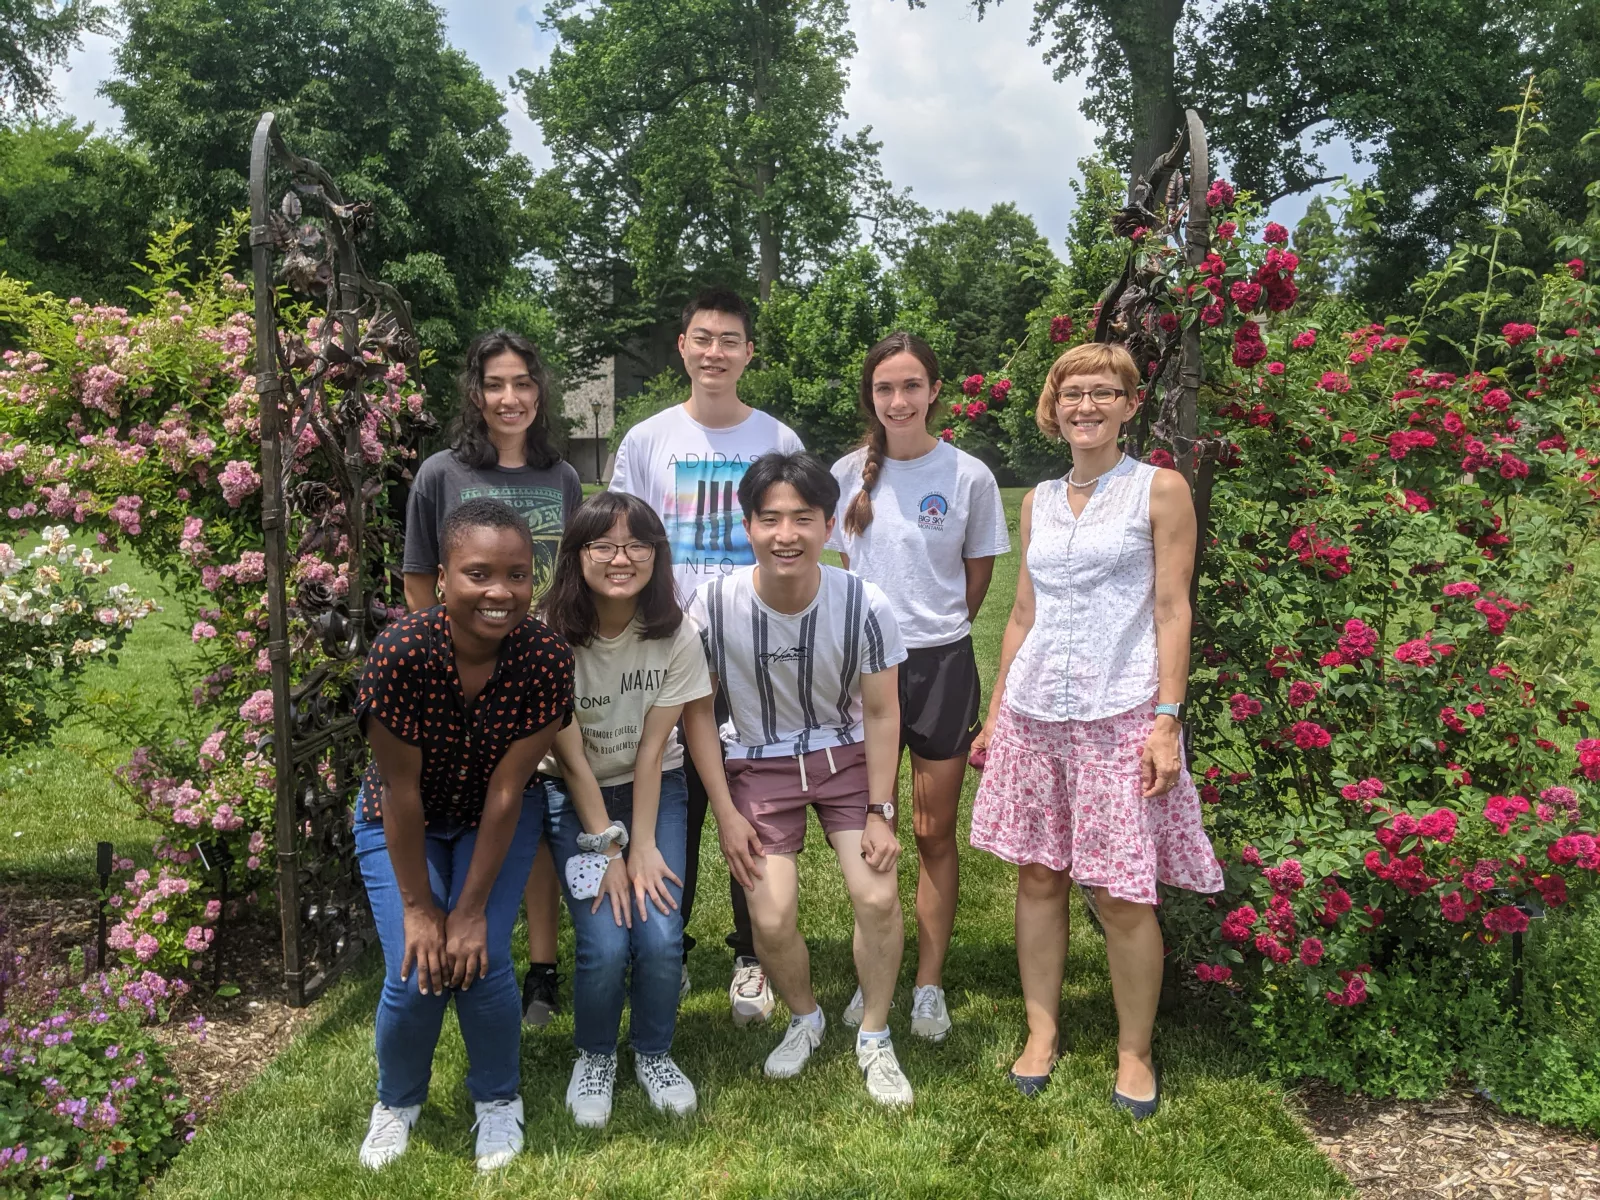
(1222, 1131)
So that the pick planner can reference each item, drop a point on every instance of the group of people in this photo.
(578, 682)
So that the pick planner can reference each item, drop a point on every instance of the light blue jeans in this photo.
(490, 1011)
(606, 950)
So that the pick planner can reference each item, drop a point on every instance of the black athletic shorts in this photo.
(939, 695)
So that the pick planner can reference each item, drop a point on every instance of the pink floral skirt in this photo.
(1067, 795)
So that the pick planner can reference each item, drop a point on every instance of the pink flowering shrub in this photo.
(87, 1105)
(140, 431)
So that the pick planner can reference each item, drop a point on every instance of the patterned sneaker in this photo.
(886, 1082)
(855, 1010)
(929, 1017)
(499, 1127)
(388, 1134)
(668, 1088)
(749, 994)
(589, 1091)
(541, 994)
(789, 1059)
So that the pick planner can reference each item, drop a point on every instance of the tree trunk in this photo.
(1144, 30)
(767, 234)
(766, 223)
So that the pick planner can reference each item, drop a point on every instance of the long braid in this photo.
(859, 515)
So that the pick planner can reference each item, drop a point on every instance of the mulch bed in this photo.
(1458, 1147)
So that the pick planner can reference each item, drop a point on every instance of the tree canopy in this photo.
(36, 35)
(370, 88)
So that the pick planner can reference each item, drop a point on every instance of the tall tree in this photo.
(695, 142)
(984, 275)
(368, 87)
(77, 210)
(36, 35)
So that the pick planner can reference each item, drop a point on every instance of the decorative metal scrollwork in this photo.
(331, 343)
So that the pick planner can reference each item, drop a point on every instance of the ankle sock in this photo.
(812, 1018)
(541, 968)
(863, 1037)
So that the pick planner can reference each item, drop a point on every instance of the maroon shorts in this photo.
(772, 794)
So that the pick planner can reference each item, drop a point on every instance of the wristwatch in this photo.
(1175, 711)
(886, 811)
(599, 843)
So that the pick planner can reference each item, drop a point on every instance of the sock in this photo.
(812, 1018)
(863, 1037)
(541, 968)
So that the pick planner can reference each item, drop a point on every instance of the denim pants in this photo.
(490, 1011)
(606, 950)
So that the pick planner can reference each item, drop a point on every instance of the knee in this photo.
(1038, 882)
(604, 947)
(936, 837)
(659, 938)
(1121, 916)
(878, 905)
(771, 918)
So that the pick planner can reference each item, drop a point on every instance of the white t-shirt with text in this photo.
(793, 680)
(689, 473)
(929, 515)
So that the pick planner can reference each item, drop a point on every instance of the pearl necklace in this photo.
(1074, 481)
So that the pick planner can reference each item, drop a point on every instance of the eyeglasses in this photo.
(606, 552)
(1102, 396)
(731, 342)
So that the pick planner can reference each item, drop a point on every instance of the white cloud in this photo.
(77, 83)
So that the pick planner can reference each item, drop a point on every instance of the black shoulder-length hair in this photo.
(568, 607)
(469, 432)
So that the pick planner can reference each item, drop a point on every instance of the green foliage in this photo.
(369, 88)
(36, 35)
(696, 143)
(76, 208)
(984, 275)
(659, 393)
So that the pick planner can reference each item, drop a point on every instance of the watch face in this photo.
(888, 812)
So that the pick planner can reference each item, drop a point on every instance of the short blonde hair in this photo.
(1088, 358)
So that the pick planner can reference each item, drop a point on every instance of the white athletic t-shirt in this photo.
(793, 680)
(929, 515)
(689, 473)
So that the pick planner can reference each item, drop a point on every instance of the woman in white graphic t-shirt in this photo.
(924, 522)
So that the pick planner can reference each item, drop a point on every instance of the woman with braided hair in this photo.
(924, 522)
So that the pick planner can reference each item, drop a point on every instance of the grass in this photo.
(1223, 1132)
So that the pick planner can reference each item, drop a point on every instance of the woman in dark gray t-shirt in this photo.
(500, 450)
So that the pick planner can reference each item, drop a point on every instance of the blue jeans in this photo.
(490, 1011)
(605, 950)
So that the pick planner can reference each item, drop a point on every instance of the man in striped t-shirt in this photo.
(807, 656)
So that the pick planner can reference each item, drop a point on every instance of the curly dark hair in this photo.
(469, 432)
(568, 607)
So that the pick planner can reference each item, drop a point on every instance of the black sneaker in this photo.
(541, 997)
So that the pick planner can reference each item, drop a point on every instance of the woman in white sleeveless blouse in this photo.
(1085, 780)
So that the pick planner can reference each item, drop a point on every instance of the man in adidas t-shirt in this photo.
(686, 463)
(808, 656)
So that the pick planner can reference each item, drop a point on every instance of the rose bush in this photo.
(142, 430)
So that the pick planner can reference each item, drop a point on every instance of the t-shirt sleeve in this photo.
(623, 474)
(848, 486)
(688, 677)
(424, 515)
(788, 440)
(986, 518)
(571, 493)
(699, 612)
(881, 646)
(389, 689)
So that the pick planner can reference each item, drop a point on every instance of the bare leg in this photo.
(774, 919)
(543, 898)
(935, 796)
(1133, 953)
(1042, 927)
(880, 928)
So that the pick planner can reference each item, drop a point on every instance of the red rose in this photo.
(1275, 234)
(1060, 328)
(1220, 194)
(1575, 266)
(972, 384)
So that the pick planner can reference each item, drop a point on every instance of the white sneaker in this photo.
(929, 1017)
(589, 1091)
(683, 984)
(855, 1010)
(749, 994)
(789, 1059)
(886, 1082)
(388, 1134)
(499, 1127)
(667, 1087)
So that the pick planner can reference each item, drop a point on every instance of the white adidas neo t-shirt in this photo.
(689, 473)
(929, 515)
(793, 680)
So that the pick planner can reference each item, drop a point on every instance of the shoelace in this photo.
(599, 1070)
(882, 1067)
(799, 1032)
(748, 982)
(661, 1071)
(499, 1124)
(926, 1004)
(388, 1130)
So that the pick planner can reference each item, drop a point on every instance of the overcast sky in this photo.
(966, 110)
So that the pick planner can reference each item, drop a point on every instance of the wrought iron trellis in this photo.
(325, 383)
(1170, 200)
